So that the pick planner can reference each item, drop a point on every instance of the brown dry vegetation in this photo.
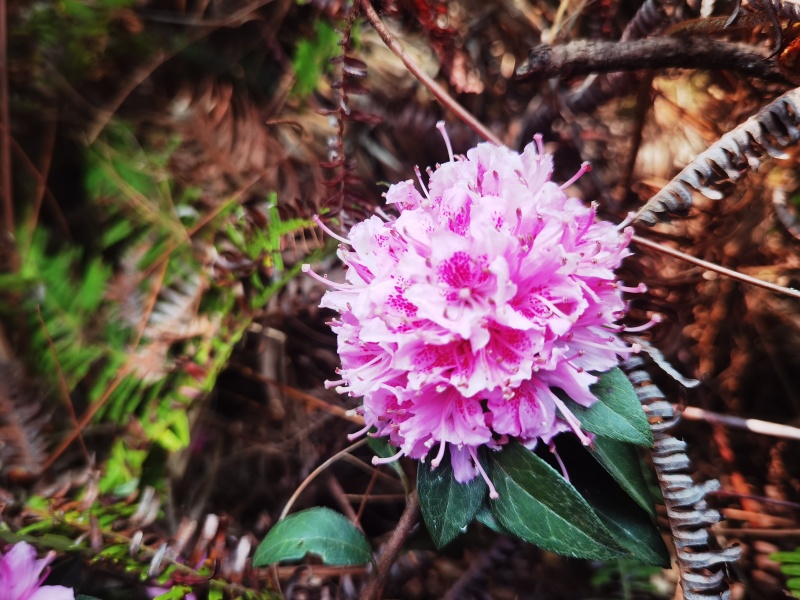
(218, 77)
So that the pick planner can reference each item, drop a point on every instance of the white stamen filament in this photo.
(329, 231)
(306, 268)
(440, 126)
(377, 460)
(492, 491)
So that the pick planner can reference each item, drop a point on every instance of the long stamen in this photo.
(560, 462)
(639, 289)
(329, 231)
(585, 168)
(422, 183)
(654, 320)
(306, 268)
(359, 433)
(377, 460)
(492, 491)
(439, 455)
(440, 126)
(627, 221)
(572, 421)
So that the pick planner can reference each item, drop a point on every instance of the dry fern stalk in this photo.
(702, 569)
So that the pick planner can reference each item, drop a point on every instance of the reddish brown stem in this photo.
(441, 94)
(407, 522)
(5, 121)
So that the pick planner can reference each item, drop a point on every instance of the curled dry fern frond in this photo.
(350, 72)
(702, 568)
(651, 17)
(774, 127)
(22, 444)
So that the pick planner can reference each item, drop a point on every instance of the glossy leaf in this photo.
(539, 506)
(621, 461)
(631, 527)
(485, 516)
(618, 414)
(319, 531)
(447, 505)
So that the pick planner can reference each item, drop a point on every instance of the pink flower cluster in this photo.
(459, 316)
(21, 576)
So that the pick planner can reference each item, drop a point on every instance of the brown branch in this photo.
(585, 57)
(693, 413)
(434, 88)
(5, 121)
(408, 520)
(715, 267)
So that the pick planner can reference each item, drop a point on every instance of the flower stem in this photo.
(408, 520)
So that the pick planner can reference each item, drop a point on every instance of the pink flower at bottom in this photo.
(460, 316)
(21, 576)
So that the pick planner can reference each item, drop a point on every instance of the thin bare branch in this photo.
(392, 549)
(693, 413)
(5, 120)
(716, 268)
(438, 91)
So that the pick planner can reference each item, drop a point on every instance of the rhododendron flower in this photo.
(460, 315)
(21, 576)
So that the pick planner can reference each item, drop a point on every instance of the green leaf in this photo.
(793, 584)
(485, 516)
(176, 592)
(319, 531)
(539, 506)
(618, 414)
(447, 506)
(786, 557)
(621, 461)
(631, 527)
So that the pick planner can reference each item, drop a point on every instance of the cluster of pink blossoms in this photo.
(22, 575)
(459, 316)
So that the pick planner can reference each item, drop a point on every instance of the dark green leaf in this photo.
(618, 414)
(631, 527)
(786, 557)
(447, 506)
(539, 506)
(319, 531)
(621, 460)
(485, 516)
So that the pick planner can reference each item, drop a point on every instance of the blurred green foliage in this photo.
(311, 58)
(790, 566)
(78, 39)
